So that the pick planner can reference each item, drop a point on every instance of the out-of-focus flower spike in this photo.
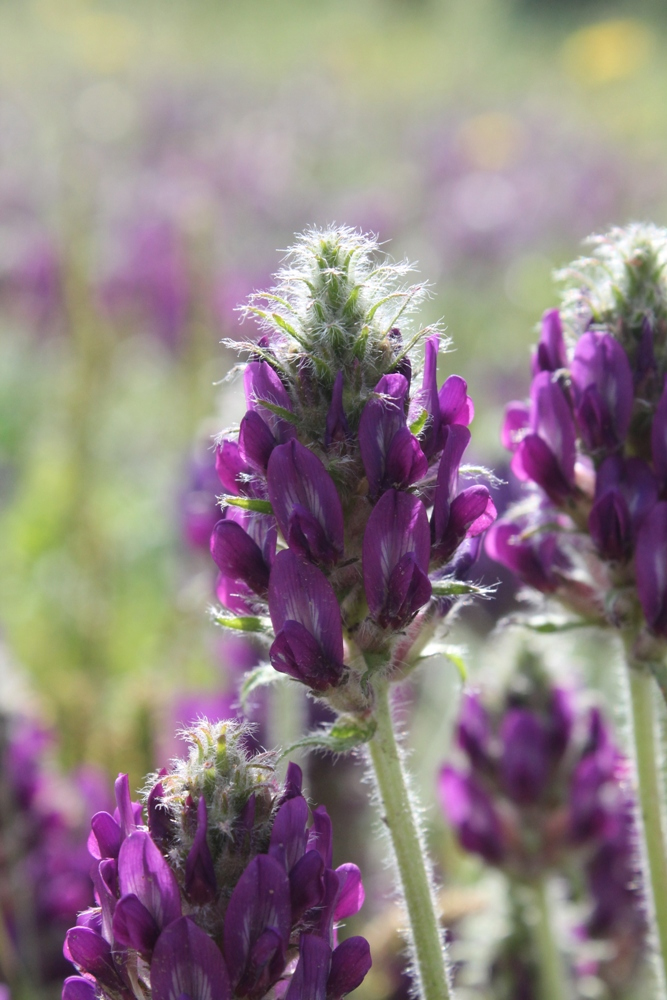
(659, 440)
(515, 425)
(305, 503)
(396, 551)
(471, 813)
(651, 568)
(473, 731)
(525, 761)
(602, 385)
(550, 354)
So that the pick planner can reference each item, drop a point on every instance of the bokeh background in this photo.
(154, 159)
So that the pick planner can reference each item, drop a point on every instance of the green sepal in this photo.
(248, 503)
(347, 733)
(454, 588)
(279, 411)
(242, 623)
(262, 676)
(418, 425)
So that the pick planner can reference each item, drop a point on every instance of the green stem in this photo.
(645, 735)
(552, 974)
(398, 813)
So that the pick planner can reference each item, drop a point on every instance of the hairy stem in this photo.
(552, 974)
(398, 813)
(650, 813)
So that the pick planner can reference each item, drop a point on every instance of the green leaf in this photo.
(289, 329)
(260, 677)
(248, 503)
(418, 425)
(346, 733)
(279, 411)
(242, 623)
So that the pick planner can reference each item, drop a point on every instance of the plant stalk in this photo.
(650, 812)
(552, 974)
(398, 813)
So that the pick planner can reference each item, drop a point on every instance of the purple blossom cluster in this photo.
(346, 515)
(227, 892)
(44, 879)
(591, 445)
(543, 790)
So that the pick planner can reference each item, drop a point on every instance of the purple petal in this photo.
(230, 467)
(289, 834)
(186, 962)
(298, 482)
(427, 399)
(320, 836)
(515, 425)
(535, 460)
(603, 390)
(293, 781)
(125, 806)
(550, 354)
(105, 836)
(239, 557)
(474, 730)
(93, 955)
(160, 825)
(309, 981)
(610, 527)
(256, 442)
(306, 884)
(142, 870)
(133, 926)
(659, 439)
(260, 900)
(471, 813)
(456, 406)
(200, 881)
(262, 383)
(395, 587)
(651, 568)
(350, 964)
(351, 893)
(456, 441)
(77, 988)
(525, 763)
(634, 480)
(381, 421)
(470, 513)
(405, 462)
(337, 428)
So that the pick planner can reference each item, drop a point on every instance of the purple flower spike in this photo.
(547, 454)
(391, 455)
(550, 355)
(396, 551)
(200, 881)
(187, 963)
(471, 813)
(239, 557)
(603, 389)
(307, 623)
(526, 761)
(305, 503)
(257, 927)
(143, 871)
(350, 963)
(337, 427)
(651, 568)
(659, 440)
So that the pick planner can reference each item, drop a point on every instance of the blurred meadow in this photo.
(155, 158)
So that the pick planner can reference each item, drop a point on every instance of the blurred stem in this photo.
(399, 815)
(553, 977)
(287, 722)
(650, 825)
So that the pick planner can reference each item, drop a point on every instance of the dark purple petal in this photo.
(651, 568)
(262, 384)
(306, 884)
(260, 900)
(306, 619)
(590, 808)
(351, 893)
(515, 425)
(396, 550)
(77, 988)
(474, 730)
(427, 399)
(382, 419)
(105, 836)
(337, 428)
(200, 882)
(659, 439)
(293, 782)
(306, 503)
(256, 442)
(534, 556)
(471, 813)
(603, 390)
(350, 963)
(321, 919)
(526, 762)
(142, 870)
(92, 954)
(470, 513)
(634, 481)
(550, 354)
(127, 818)
(610, 527)
(186, 962)
(535, 460)
(551, 419)
(456, 406)
(160, 825)
(456, 440)
(309, 981)
(320, 835)
(405, 461)
(239, 557)
(133, 926)
(289, 834)
(231, 467)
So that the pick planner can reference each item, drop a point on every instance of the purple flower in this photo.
(238, 556)
(395, 559)
(546, 455)
(525, 762)
(625, 492)
(391, 455)
(603, 390)
(470, 811)
(305, 503)
(457, 516)
(535, 557)
(550, 355)
(307, 623)
(262, 428)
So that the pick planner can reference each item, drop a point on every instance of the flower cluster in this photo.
(226, 893)
(334, 470)
(591, 446)
(544, 791)
(44, 878)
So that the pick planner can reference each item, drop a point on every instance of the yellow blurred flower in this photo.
(607, 51)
